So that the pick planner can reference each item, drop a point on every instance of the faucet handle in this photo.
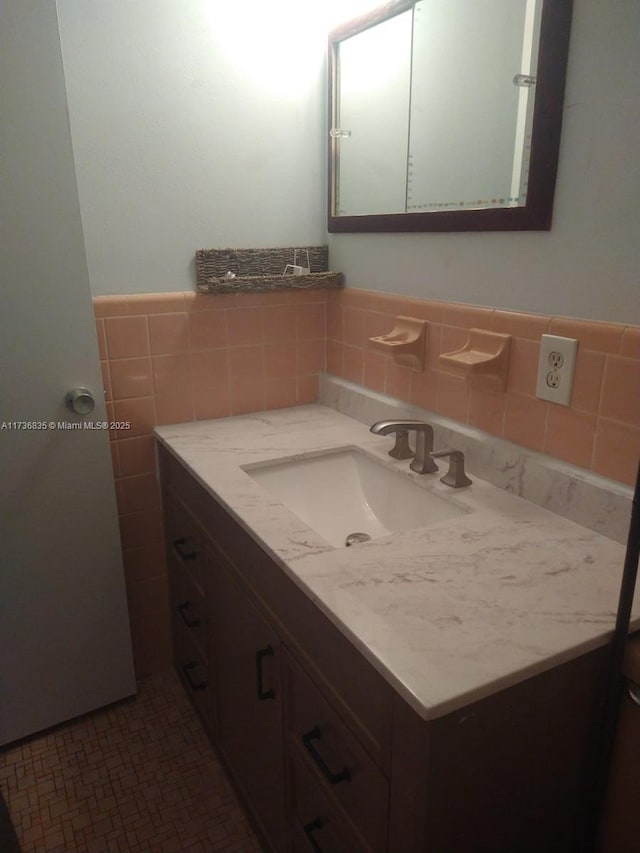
(401, 449)
(455, 476)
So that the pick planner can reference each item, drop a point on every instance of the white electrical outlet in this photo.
(556, 368)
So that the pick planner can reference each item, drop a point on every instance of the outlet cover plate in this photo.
(556, 368)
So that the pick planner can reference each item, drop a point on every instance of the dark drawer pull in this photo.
(180, 546)
(309, 829)
(186, 669)
(182, 610)
(334, 778)
(262, 693)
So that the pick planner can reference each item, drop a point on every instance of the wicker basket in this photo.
(215, 263)
(262, 269)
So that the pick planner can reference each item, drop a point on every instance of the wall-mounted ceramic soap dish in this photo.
(406, 342)
(483, 360)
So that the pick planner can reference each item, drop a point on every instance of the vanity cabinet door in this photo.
(249, 700)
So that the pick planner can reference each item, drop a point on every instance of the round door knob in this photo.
(80, 401)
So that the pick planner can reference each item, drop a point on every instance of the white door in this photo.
(64, 633)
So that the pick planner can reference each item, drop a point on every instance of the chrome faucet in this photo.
(422, 463)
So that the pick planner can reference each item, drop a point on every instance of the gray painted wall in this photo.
(182, 141)
(192, 128)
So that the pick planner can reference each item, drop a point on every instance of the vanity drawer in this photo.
(185, 543)
(196, 675)
(177, 479)
(339, 766)
(316, 823)
(189, 612)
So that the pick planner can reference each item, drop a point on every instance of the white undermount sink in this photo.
(346, 491)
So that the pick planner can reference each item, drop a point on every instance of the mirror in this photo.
(445, 115)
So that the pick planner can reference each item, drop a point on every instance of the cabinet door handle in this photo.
(182, 610)
(179, 545)
(309, 829)
(186, 669)
(334, 778)
(262, 693)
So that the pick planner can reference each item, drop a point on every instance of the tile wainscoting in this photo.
(178, 357)
(599, 431)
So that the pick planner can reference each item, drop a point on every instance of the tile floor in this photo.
(138, 777)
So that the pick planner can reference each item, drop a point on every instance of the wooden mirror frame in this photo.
(535, 215)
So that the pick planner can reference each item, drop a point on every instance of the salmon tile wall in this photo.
(176, 357)
(599, 431)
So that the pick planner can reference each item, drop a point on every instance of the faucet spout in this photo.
(387, 427)
(423, 462)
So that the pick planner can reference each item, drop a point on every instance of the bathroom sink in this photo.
(346, 491)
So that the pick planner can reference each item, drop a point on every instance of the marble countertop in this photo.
(448, 613)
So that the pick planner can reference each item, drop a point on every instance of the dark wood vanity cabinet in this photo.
(325, 754)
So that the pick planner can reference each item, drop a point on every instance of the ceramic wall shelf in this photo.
(406, 342)
(483, 360)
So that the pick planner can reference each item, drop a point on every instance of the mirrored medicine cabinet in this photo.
(445, 115)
